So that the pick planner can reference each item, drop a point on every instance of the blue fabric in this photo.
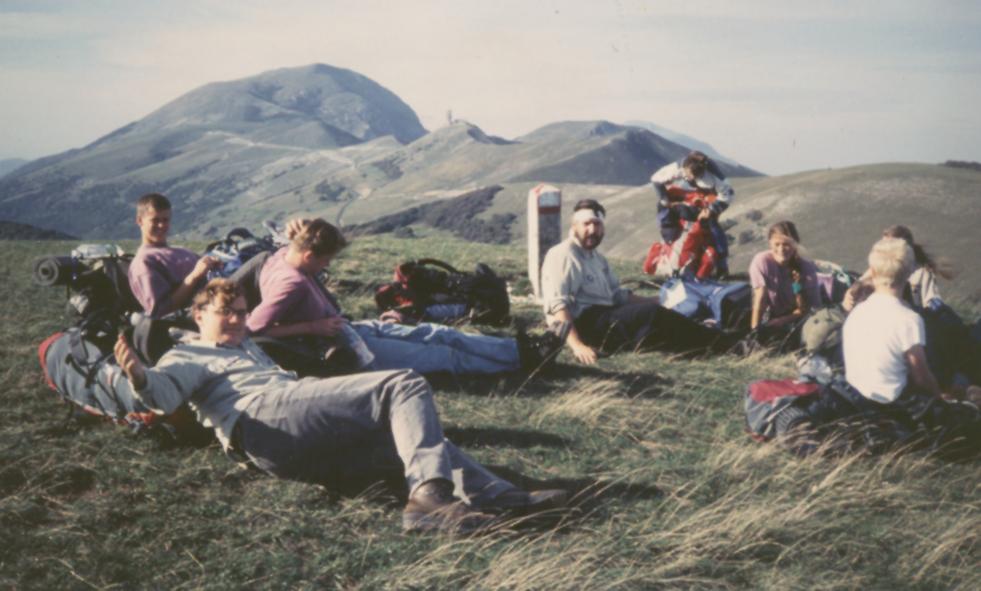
(702, 298)
(431, 348)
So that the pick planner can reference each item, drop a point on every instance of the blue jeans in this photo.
(431, 348)
(351, 428)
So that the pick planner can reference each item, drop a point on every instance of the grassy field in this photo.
(671, 492)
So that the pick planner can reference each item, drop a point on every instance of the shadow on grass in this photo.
(552, 381)
(478, 436)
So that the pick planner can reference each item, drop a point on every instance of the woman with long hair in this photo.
(923, 292)
(784, 283)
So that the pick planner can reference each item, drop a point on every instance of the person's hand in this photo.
(130, 363)
(201, 268)
(705, 214)
(327, 327)
(295, 226)
(584, 353)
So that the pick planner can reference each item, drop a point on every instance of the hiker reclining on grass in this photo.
(583, 298)
(294, 303)
(883, 342)
(163, 278)
(328, 430)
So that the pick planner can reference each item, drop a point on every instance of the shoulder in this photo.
(761, 260)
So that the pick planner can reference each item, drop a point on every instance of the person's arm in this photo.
(277, 300)
(759, 294)
(919, 371)
(182, 294)
(581, 351)
(164, 388)
(724, 195)
(326, 327)
(561, 279)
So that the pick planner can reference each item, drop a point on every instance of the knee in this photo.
(407, 383)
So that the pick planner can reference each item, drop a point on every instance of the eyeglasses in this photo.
(239, 313)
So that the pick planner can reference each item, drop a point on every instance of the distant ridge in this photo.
(16, 231)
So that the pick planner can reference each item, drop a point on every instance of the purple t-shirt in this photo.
(778, 285)
(154, 274)
(288, 295)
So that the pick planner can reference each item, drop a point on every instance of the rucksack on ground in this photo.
(87, 377)
(424, 289)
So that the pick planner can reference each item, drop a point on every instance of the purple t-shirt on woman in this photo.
(778, 285)
(155, 272)
(288, 295)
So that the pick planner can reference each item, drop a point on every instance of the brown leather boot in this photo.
(432, 507)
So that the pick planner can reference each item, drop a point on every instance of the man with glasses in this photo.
(583, 299)
(331, 431)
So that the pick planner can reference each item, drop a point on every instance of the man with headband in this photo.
(583, 299)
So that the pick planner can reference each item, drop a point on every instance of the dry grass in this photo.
(669, 492)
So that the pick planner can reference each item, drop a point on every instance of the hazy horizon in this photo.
(780, 89)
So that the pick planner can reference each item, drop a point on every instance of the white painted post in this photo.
(544, 229)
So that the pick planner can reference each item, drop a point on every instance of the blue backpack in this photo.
(726, 305)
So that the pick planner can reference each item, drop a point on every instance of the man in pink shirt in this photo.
(163, 278)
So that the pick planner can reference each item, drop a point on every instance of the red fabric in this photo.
(42, 354)
(693, 248)
(769, 390)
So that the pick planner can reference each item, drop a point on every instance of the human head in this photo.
(219, 311)
(316, 244)
(153, 213)
(784, 242)
(588, 223)
(891, 261)
(695, 163)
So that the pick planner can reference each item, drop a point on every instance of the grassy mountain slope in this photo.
(672, 493)
(840, 214)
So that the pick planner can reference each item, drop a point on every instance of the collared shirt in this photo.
(218, 382)
(574, 278)
(155, 273)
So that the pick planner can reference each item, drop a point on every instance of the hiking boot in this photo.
(529, 502)
(537, 351)
(433, 508)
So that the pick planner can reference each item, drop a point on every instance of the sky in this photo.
(781, 86)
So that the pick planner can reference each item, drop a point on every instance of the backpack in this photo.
(421, 287)
(821, 334)
(237, 248)
(100, 300)
(86, 376)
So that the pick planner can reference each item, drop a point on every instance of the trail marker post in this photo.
(544, 229)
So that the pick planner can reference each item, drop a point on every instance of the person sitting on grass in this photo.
(163, 278)
(883, 344)
(583, 299)
(330, 430)
(295, 303)
(785, 287)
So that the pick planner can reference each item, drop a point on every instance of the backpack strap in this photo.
(437, 263)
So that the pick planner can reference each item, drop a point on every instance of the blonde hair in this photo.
(218, 291)
(891, 261)
(319, 237)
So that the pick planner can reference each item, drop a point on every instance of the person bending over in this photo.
(163, 278)
(329, 431)
(697, 173)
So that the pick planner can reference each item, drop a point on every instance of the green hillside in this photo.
(670, 491)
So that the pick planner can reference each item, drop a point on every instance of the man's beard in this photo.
(590, 242)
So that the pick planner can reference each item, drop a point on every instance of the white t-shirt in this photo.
(876, 337)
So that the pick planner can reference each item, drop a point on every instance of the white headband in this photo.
(585, 215)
